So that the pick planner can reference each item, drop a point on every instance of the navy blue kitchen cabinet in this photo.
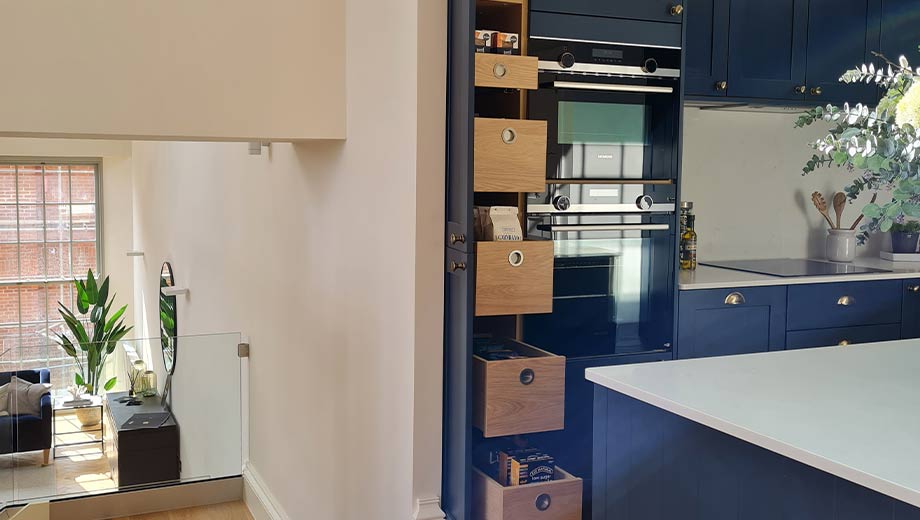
(721, 322)
(767, 49)
(650, 10)
(844, 304)
(910, 310)
(900, 32)
(842, 336)
(841, 35)
(706, 59)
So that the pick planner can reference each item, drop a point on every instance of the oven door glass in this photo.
(613, 290)
(602, 140)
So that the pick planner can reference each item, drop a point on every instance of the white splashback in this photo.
(743, 172)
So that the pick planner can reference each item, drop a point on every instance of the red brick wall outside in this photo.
(47, 237)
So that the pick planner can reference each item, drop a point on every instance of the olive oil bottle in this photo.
(688, 245)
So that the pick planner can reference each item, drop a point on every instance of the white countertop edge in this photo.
(867, 480)
(761, 280)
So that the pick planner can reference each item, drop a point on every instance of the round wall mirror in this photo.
(168, 326)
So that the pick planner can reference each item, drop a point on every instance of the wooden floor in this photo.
(228, 511)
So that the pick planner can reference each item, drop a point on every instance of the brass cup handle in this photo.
(516, 258)
(735, 298)
(845, 301)
(844, 342)
(677, 9)
(509, 135)
(499, 70)
(816, 91)
(800, 89)
(721, 85)
(913, 288)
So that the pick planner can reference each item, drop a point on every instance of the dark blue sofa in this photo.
(21, 433)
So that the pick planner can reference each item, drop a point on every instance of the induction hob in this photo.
(792, 267)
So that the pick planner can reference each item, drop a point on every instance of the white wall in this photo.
(117, 213)
(743, 172)
(328, 256)
(215, 69)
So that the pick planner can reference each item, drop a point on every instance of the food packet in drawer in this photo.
(497, 223)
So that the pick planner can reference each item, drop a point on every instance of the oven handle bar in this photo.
(603, 227)
(614, 87)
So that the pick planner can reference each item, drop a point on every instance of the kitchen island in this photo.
(826, 433)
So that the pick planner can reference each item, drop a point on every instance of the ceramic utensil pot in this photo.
(841, 245)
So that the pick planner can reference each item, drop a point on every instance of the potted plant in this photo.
(90, 345)
(881, 145)
(905, 236)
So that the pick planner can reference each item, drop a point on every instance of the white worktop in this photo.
(706, 277)
(851, 411)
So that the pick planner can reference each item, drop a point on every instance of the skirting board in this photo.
(260, 501)
(428, 509)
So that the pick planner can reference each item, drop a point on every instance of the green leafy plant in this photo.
(90, 349)
(911, 226)
(881, 145)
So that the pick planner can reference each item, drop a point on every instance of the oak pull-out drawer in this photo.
(506, 71)
(559, 499)
(842, 336)
(517, 396)
(509, 155)
(514, 277)
(846, 304)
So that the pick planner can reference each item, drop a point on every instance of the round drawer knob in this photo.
(509, 136)
(516, 258)
(527, 376)
(844, 342)
(543, 502)
(500, 70)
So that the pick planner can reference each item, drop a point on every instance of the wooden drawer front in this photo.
(509, 155)
(519, 396)
(504, 288)
(559, 499)
(504, 71)
(842, 336)
(821, 306)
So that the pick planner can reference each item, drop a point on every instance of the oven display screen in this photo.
(612, 54)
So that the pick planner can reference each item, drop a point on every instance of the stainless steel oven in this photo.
(613, 114)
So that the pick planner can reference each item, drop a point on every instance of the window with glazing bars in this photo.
(48, 236)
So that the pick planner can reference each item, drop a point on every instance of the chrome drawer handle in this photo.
(914, 288)
(543, 502)
(735, 298)
(499, 70)
(527, 376)
(846, 301)
(509, 136)
(516, 258)
(844, 342)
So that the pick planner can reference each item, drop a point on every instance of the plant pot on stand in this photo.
(904, 241)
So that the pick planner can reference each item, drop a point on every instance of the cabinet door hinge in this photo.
(242, 350)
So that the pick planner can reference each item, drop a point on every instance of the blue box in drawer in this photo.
(846, 304)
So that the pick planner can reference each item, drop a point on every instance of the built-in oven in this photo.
(613, 114)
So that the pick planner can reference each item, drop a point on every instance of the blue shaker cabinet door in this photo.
(767, 49)
(706, 60)
(910, 310)
(901, 30)
(841, 35)
(721, 322)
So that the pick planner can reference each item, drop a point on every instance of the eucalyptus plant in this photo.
(882, 144)
(91, 349)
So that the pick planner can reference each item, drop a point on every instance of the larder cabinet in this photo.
(706, 59)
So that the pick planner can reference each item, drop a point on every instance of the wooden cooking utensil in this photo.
(821, 204)
(840, 201)
(858, 220)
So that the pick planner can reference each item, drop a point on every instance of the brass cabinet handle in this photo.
(846, 301)
(509, 135)
(735, 298)
(677, 9)
(721, 85)
(800, 89)
(844, 342)
(913, 288)
(499, 70)
(816, 91)
(457, 266)
(516, 258)
(457, 238)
